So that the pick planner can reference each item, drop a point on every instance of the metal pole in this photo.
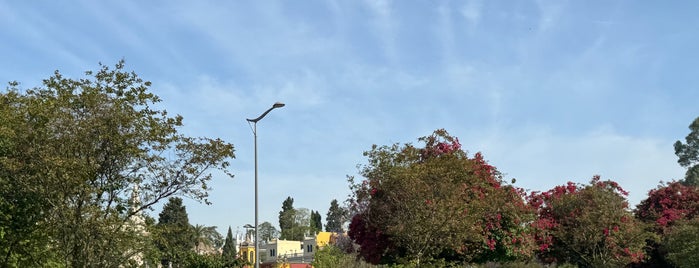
(254, 132)
(257, 252)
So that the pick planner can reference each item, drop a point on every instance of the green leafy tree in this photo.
(681, 243)
(335, 218)
(434, 203)
(267, 231)
(316, 222)
(75, 148)
(151, 254)
(25, 231)
(206, 238)
(25, 199)
(229, 253)
(688, 154)
(176, 236)
(301, 224)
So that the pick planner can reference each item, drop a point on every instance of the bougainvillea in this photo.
(668, 203)
(374, 244)
(435, 202)
(588, 225)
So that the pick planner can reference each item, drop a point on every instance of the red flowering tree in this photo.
(437, 203)
(667, 204)
(587, 225)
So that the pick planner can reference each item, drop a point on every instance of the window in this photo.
(309, 248)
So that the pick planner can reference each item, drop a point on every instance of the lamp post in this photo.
(254, 132)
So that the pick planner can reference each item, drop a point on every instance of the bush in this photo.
(681, 243)
(331, 256)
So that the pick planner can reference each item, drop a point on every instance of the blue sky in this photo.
(549, 91)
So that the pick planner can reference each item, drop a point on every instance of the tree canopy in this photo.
(681, 243)
(421, 203)
(267, 231)
(316, 222)
(588, 225)
(206, 238)
(294, 223)
(286, 218)
(229, 253)
(688, 154)
(176, 236)
(335, 218)
(667, 205)
(72, 150)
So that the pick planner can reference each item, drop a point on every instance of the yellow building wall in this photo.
(287, 247)
(247, 253)
(323, 239)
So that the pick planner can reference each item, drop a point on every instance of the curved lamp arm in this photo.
(276, 105)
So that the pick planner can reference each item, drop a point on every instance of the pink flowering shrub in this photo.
(588, 225)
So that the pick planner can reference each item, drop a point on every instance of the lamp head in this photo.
(275, 105)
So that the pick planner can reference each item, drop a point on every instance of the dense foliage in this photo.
(286, 218)
(681, 243)
(71, 152)
(267, 231)
(295, 223)
(335, 218)
(316, 222)
(418, 204)
(176, 237)
(229, 252)
(587, 225)
(332, 257)
(688, 154)
(206, 238)
(666, 205)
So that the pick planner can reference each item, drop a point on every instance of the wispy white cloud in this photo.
(471, 11)
(545, 91)
(444, 30)
(385, 26)
(35, 31)
(549, 14)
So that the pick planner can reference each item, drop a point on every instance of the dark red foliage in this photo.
(669, 203)
(373, 244)
(435, 148)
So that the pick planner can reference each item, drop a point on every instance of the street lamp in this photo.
(254, 132)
